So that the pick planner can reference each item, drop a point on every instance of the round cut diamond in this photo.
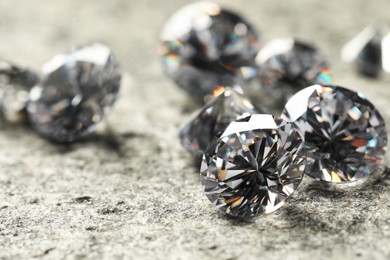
(255, 165)
(345, 136)
(76, 92)
(287, 66)
(15, 85)
(204, 46)
(208, 123)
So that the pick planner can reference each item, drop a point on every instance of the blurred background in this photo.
(135, 193)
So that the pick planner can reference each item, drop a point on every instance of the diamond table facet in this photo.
(204, 46)
(15, 85)
(345, 136)
(77, 91)
(287, 66)
(255, 165)
(208, 123)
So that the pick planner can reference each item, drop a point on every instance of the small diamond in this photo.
(255, 165)
(15, 85)
(204, 46)
(206, 124)
(364, 50)
(76, 92)
(287, 66)
(345, 136)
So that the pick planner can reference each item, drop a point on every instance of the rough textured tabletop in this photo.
(133, 192)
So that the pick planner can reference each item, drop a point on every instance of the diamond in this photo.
(287, 66)
(364, 50)
(204, 46)
(345, 136)
(386, 53)
(255, 165)
(76, 92)
(206, 124)
(15, 85)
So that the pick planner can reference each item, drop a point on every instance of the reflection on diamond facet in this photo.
(364, 50)
(206, 124)
(345, 136)
(76, 92)
(255, 165)
(204, 46)
(15, 85)
(287, 66)
(386, 53)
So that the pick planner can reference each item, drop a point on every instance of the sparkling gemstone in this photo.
(256, 164)
(287, 66)
(208, 123)
(345, 136)
(15, 85)
(77, 91)
(364, 50)
(204, 46)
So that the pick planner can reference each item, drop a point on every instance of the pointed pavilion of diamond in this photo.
(345, 135)
(365, 51)
(256, 164)
(210, 121)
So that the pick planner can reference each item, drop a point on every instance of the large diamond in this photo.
(205, 46)
(15, 85)
(364, 50)
(208, 123)
(287, 66)
(76, 92)
(255, 165)
(345, 136)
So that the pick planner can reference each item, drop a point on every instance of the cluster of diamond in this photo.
(253, 162)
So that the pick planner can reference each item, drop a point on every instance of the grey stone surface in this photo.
(132, 192)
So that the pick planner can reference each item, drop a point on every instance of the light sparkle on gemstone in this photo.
(15, 84)
(204, 46)
(255, 165)
(76, 92)
(345, 136)
(287, 66)
(365, 52)
(206, 124)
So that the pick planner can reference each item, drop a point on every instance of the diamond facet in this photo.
(204, 46)
(208, 123)
(287, 66)
(255, 165)
(15, 85)
(365, 51)
(76, 92)
(345, 136)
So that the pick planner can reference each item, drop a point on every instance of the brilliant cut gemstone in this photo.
(287, 66)
(208, 123)
(204, 46)
(345, 136)
(255, 165)
(76, 92)
(15, 85)
(364, 50)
